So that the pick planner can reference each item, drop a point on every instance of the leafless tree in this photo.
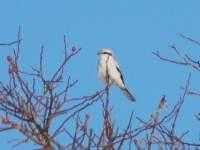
(34, 113)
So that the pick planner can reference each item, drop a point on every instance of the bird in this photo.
(109, 72)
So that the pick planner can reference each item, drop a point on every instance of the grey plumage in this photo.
(108, 66)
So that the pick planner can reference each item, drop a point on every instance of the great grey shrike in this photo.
(109, 72)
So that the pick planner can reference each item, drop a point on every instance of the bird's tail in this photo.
(128, 94)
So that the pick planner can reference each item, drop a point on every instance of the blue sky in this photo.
(132, 29)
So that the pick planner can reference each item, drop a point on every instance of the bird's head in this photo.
(105, 52)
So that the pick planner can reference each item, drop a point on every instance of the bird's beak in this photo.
(98, 53)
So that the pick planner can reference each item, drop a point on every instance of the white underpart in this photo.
(108, 65)
(109, 69)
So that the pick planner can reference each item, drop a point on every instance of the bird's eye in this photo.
(107, 53)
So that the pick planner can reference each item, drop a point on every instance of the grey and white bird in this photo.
(108, 71)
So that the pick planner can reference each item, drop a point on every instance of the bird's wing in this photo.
(120, 74)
